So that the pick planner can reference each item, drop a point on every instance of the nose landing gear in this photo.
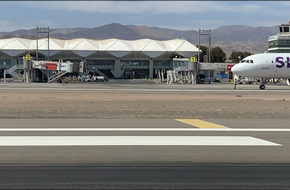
(262, 86)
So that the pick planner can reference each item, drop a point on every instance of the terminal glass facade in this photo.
(281, 43)
(162, 64)
(210, 73)
(5, 63)
(135, 64)
(183, 64)
(100, 64)
(20, 61)
(138, 69)
(279, 46)
(71, 60)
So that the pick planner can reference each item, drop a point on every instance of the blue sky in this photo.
(181, 15)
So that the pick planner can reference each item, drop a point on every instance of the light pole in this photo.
(207, 33)
(42, 30)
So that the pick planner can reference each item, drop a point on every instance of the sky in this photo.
(180, 15)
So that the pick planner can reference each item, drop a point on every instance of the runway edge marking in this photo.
(134, 141)
(201, 124)
(138, 129)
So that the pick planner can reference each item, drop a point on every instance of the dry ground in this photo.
(144, 105)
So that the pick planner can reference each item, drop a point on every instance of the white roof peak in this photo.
(110, 45)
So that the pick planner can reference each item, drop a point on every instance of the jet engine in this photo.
(288, 82)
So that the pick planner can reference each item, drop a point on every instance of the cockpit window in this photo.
(247, 61)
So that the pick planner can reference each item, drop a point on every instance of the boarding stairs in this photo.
(56, 76)
(100, 73)
(12, 70)
(178, 78)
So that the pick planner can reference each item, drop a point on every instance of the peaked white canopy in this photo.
(86, 47)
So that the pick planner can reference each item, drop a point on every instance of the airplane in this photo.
(264, 66)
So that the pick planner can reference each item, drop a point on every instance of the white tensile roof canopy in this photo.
(86, 47)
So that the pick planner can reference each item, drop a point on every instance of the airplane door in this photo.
(265, 62)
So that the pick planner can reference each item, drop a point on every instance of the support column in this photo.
(151, 69)
(33, 75)
(26, 67)
(193, 79)
(117, 71)
(4, 76)
(27, 77)
(85, 64)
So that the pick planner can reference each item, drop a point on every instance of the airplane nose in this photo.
(238, 69)
(234, 69)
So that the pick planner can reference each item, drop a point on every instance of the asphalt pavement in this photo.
(147, 176)
(194, 154)
(146, 88)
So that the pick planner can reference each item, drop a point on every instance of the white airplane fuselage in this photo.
(265, 65)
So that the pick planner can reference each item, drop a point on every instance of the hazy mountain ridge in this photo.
(229, 38)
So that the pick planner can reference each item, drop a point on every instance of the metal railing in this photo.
(12, 70)
(56, 76)
(178, 78)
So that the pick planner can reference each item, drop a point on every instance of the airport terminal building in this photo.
(114, 57)
(280, 43)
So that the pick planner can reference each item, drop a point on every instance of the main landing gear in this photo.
(262, 86)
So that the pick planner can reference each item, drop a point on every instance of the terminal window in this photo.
(137, 64)
(5, 63)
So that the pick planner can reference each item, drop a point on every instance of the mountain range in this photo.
(229, 38)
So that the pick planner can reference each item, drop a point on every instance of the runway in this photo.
(207, 146)
(144, 153)
(46, 141)
(226, 88)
